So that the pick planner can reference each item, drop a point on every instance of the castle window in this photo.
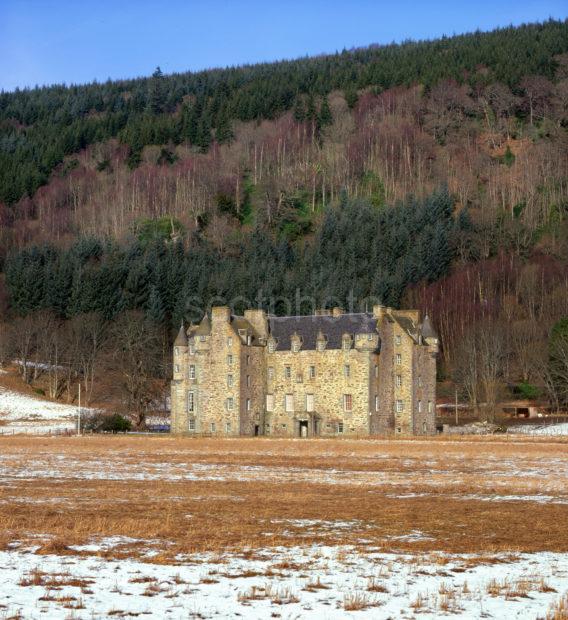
(230, 403)
(347, 402)
(340, 427)
(369, 336)
(376, 403)
(192, 424)
(229, 380)
(213, 427)
(399, 406)
(248, 359)
(295, 347)
(268, 429)
(287, 372)
(376, 371)
(249, 340)
(289, 403)
(271, 372)
(398, 429)
(346, 344)
(424, 427)
(176, 351)
(176, 367)
(248, 404)
(271, 346)
(419, 406)
(398, 380)
(230, 360)
(347, 370)
(284, 426)
(398, 359)
(310, 404)
(191, 402)
(228, 427)
(229, 341)
(248, 380)
(299, 377)
(192, 372)
(321, 345)
(419, 380)
(398, 339)
(270, 402)
(312, 372)
(430, 407)
(202, 338)
(192, 349)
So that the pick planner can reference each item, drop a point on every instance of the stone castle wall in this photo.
(338, 397)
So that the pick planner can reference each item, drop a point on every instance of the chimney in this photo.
(257, 318)
(379, 311)
(220, 314)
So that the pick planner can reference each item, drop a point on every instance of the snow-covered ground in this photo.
(314, 582)
(20, 413)
(550, 430)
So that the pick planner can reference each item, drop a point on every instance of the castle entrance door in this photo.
(303, 428)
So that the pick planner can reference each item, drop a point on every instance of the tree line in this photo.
(360, 251)
(39, 127)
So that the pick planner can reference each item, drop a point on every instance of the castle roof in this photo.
(307, 327)
(181, 339)
(427, 329)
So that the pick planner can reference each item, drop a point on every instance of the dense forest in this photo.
(429, 174)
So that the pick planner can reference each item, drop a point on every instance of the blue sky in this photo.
(77, 41)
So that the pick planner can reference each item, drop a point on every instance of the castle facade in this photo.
(327, 374)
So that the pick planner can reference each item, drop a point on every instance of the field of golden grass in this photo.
(188, 495)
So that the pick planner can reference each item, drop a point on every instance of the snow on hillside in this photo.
(20, 413)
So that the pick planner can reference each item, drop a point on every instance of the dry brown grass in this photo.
(401, 486)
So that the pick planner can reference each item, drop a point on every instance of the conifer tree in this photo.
(156, 92)
(325, 117)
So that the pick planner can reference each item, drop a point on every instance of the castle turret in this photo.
(429, 335)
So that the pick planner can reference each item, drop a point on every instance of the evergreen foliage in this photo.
(359, 252)
(39, 127)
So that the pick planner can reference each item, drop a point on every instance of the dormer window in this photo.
(249, 340)
(346, 343)
(295, 346)
(242, 333)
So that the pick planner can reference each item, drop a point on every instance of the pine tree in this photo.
(155, 311)
(156, 92)
(299, 111)
(224, 133)
(325, 116)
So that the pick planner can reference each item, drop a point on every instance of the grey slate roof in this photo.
(427, 329)
(181, 339)
(333, 327)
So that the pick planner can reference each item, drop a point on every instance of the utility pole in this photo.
(79, 412)
(456, 409)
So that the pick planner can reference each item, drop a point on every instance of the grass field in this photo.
(259, 527)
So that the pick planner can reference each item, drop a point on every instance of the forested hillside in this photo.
(428, 173)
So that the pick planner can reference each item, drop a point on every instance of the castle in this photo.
(327, 374)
